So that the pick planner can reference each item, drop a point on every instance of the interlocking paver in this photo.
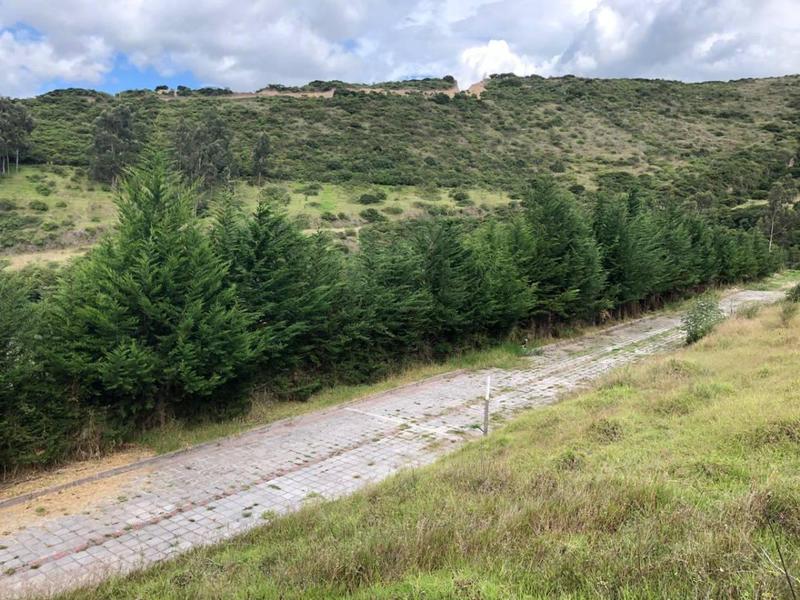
(218, 490)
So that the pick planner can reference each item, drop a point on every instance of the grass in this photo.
(55, 206)
(661, 482)
(178, 435)
(778, 281)
(74, 211)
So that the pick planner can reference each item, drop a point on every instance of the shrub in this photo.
(311, 189)
(702, 317)
(373, 198)
(61, 204)
(793, 295)
(392, 210)
(328, 216)
(7, 205)
(370, 215)
(749, 311)
(38, 205)
(302, 221)
(275, 193)
(45, 188)
(788, 312)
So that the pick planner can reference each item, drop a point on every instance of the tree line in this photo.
(171, 318)
(16, 125)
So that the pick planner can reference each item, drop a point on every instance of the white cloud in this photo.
(25, 61)
(496, 56)
(246, 44)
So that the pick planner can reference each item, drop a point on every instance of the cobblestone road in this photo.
(170, 504)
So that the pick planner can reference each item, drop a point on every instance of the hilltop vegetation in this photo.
(687, 139)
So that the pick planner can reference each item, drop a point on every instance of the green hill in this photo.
(580, 129)
(717, 146)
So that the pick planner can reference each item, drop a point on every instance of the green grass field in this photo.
(44, 207)
(664, 481)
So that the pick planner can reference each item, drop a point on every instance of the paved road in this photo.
(165, 506)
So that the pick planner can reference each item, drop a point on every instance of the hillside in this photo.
(727, 139)
(717, 147)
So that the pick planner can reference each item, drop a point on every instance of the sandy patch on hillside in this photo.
(476, 89)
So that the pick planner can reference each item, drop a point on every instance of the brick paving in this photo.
(218, 490)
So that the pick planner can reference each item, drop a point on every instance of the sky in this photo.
(115, 45)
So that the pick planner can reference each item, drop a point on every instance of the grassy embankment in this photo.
(666, 480)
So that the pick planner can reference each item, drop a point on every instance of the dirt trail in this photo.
(163, 506)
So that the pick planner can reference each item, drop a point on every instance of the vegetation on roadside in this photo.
(703, 316)
(674, 478)
(169, 318)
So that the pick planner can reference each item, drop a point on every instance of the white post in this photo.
(486, 405)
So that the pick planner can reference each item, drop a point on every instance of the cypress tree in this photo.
(390, 306)
(147, 325)
(287, 282)
(506, 297)
(451, 278)
(38, 419)
(565, 265)
(628, 251)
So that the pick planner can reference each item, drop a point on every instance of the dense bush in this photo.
(38, 205)
(38, 421)
(703, 315)
(376, 198)
(793, 295)
(371, 215)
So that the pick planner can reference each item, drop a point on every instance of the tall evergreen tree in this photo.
(147, 324)
(565, 266)
(630, 260)
(261, 152)
(38, 419)
(390, 305)
(203, 150)
(451, 278)
(506, 297)
(286, 281)
(678, 269)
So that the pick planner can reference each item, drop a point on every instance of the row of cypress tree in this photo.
(169, 316)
